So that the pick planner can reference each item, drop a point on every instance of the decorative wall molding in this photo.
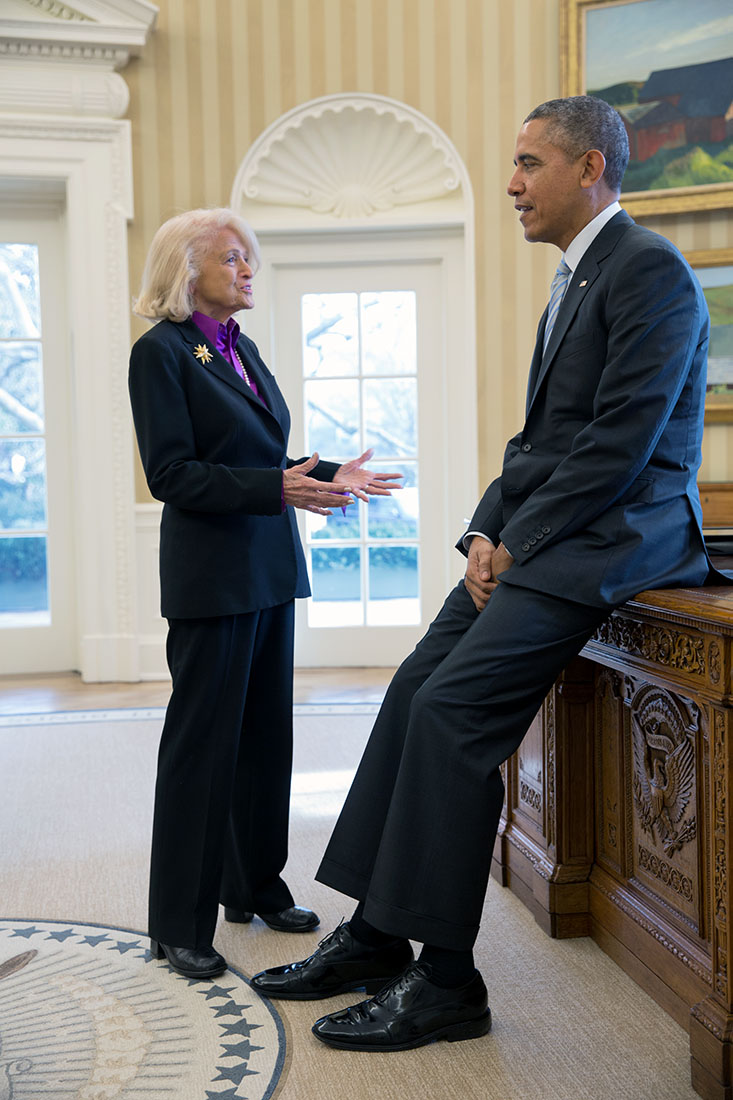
(351, 158)
(62, 59)
(58, 10)
(94, 28)
(33, 88)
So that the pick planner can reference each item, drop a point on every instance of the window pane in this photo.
(332, 418)
(335, 526)
(392, 572)
(22, 484)
(335, 573)
(21, 388)
(390, 416)
(330, 335)
(388, 332)
(394, 586)
(20, 303)
(395, 517)
(336, 584)
(23, 575)
(360, 391)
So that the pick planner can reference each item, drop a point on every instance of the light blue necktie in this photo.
(557, 292)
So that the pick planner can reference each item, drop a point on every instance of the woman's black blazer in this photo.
(213, 453)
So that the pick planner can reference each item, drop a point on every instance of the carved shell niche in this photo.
(350, 158)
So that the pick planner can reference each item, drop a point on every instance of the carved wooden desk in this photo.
(618, 815)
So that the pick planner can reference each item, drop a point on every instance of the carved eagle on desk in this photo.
(664, 775)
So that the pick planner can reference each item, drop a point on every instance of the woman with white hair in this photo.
(212, 427)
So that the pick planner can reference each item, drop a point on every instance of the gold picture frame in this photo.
(673, 126)
(715, 266)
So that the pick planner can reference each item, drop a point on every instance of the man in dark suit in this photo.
(596, 501)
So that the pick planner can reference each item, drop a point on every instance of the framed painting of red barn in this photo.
(667, 68)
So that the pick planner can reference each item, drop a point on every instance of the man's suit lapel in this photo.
(585, 274)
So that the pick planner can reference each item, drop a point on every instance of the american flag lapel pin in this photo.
(584, 283)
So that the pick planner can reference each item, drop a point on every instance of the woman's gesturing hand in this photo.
(314, 496)
(360, 481)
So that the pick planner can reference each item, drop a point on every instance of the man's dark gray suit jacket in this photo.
(597, 499)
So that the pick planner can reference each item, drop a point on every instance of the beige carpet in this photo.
(75, 817)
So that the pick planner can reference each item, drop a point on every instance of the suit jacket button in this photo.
(526, 447)
(546, 530)
(525, 546)
(532, 541)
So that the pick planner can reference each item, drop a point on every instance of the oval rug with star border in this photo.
(87, 1013)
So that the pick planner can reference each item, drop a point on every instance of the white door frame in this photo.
(442, 246)
(61, 98)
(91, 160)
(40, 645)
(349, 177)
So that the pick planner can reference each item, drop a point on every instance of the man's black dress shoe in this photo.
(339, 964)
(409, 1012)
(192, 962)
(294, 919)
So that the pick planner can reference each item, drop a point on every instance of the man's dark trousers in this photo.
(414, 840)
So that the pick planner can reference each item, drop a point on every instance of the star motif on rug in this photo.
(236, 1074)
(123, 947)
(202, 353)
(242, 1027)
(239, 1050)
(216, 991)
(231, 1008)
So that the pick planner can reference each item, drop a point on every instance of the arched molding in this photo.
(351, 159)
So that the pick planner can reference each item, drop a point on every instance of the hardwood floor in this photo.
(36, 694)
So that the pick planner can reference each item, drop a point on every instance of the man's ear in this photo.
(594, 165)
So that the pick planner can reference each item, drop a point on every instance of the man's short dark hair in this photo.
(583, 122)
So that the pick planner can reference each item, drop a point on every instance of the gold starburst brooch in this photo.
(202, 353)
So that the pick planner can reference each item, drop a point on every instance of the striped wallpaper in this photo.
(216, 73)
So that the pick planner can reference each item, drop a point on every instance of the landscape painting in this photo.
(667, 68)
(714, 269)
